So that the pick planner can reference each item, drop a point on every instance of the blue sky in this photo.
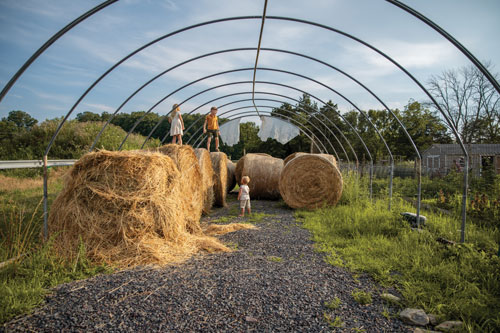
(51, 86)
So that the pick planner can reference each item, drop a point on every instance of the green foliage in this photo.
(24, 284)
(275, 259)
(362, 297)
(74, 140)
(333, 322)
(334, 303)
(25, 281)
(455, 282)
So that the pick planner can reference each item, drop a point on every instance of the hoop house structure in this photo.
(249, 59)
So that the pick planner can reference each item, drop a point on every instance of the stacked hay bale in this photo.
(231, 178)
(127, 208)
(264, 172)
(192, 197)
(219, 165)
(310, 181)
(292, 156)
(207, 178)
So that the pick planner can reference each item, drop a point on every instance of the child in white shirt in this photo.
(244, 195)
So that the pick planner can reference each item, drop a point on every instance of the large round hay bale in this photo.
(192, 194)
(219, 165)
(231, 179)
(292, 156)
(264, 172)
(127, 209)
(207, 178)
(311, 181)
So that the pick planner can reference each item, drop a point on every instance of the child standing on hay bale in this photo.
(244, 195)
(211, 126)
(177, 127)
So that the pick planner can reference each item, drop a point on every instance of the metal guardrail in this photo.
(21, 164)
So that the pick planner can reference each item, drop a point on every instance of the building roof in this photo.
(455, 149)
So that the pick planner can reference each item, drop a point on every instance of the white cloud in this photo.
(99, 107)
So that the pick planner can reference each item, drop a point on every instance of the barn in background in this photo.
(439, 159)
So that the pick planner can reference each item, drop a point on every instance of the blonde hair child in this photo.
(177, 124)
(244, 196)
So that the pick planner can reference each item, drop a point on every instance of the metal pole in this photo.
(45, 198)
(464, 200)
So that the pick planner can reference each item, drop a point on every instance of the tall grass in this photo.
(453, 281)
(28, 266)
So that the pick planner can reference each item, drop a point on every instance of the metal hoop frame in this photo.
(396, 3)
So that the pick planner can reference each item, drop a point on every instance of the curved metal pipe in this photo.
(51, 41)
(397, 3)
(451, 39)
(257, 55)
(450, 123)
(253, 113)
(130, 55)
(272, 107)
(195, 122)
(278, 108)
(237, 70)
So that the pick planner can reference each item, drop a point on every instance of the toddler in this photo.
(244, 195)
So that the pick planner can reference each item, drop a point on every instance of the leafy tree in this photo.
(88, 116)
(21, 119)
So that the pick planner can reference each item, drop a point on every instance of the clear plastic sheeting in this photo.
(278, 129)
(230, 132)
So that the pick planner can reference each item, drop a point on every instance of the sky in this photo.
(54, 83)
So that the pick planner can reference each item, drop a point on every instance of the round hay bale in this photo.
(192, 196)
(219, 165)
(124, 207)
(231, 179)
(311, 181)
(292, 156)
(264, 173)
(207, 178)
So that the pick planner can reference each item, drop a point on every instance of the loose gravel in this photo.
(274, 281)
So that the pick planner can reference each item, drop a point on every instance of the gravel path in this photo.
(274, 281)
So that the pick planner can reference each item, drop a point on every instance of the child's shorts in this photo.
(245, 204)
(212, 133)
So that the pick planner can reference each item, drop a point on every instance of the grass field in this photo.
(25, 280)
(455, 282)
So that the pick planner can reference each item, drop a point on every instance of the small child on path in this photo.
(177, 124)
(244, 195)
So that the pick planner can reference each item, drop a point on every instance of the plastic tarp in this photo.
(230, 132)
(278, 129)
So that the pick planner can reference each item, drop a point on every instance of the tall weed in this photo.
(453, 281)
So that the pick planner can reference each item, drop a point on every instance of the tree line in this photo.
(468, 100)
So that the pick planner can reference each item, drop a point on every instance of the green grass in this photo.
(275, 259)
(258, 217)
(334, 303)
(457, 282)
(24, 282)
(361, 297)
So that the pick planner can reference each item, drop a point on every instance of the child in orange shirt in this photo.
(211, 126)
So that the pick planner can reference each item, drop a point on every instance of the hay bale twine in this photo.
(311, 181)
(207, 178)
(192, 196)
(231, 179)
(124, 207)
(219, 165)
(264, 172)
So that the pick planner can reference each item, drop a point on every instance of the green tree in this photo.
(21, 119)
(88, 116)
